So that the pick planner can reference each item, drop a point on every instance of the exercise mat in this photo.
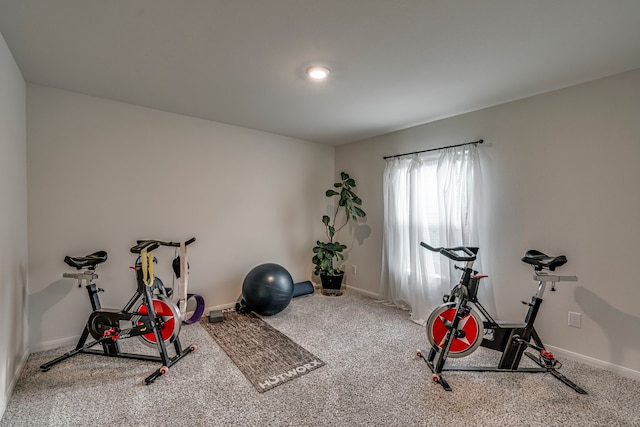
(265, 356)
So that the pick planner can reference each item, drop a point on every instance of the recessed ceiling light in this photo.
(318, 72)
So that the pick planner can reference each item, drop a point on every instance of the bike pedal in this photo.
(547, 358)
(547, 355)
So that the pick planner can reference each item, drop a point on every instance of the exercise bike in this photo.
(456, 329)
(149, 315)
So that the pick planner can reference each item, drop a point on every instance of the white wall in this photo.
(13, 223)
(562, 176)
(103, 174)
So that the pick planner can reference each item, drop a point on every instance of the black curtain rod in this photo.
(480, 141)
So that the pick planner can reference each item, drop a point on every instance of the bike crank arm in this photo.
(566, 381)
(143, 329)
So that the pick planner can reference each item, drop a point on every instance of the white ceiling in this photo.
(394, 63)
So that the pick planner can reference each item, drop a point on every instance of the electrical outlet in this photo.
(354, 270)
(575, 319)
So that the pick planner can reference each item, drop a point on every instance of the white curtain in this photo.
(433, 197)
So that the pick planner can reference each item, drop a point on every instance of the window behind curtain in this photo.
(433, 197)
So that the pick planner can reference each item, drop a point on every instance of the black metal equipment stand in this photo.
(511, 338)
(107, 322)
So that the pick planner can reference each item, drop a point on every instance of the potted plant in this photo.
(327, 254)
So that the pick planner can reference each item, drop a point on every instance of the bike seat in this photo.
(540, 260)
(88, 261)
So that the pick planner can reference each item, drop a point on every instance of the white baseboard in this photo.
(48, 345)
(220, 307)
(73, 340)
(608, 366)
(61, 342)
(363, 292)
(13, 382)
(587, 360)
(596, 363)
(18, 371)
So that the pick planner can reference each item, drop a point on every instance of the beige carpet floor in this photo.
(370, 378)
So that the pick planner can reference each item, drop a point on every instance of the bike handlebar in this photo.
(451, 252)
(148, 244)
(152, 244)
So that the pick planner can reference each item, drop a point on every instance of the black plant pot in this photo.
(332, 284)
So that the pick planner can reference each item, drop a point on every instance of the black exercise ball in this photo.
(267, 289)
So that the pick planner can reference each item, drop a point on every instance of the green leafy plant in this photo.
(328, 254)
